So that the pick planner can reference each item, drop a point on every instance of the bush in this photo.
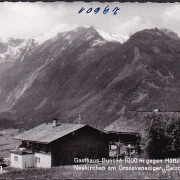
(164, 137)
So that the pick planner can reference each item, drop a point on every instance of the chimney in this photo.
(55, 122)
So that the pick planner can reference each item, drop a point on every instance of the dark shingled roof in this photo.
(47, 133)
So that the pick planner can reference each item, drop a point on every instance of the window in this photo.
(37, 160)
(15, 158)
(113, 147)
(27, 144)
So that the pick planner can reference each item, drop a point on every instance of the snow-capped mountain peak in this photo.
(106, 36)
(113, 37)
(14, 49)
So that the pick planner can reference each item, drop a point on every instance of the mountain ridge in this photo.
(79, 72)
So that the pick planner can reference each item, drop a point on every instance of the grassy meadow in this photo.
(65, 172)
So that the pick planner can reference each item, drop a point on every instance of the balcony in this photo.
(22, 151)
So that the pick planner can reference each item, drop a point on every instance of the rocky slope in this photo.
(80, 72)
(15, 49)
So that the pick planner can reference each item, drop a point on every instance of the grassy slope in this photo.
(69, 172)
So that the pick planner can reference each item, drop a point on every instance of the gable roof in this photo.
(47, 133)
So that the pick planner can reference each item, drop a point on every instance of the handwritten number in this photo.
(106, 9)
(81, 10)
(89, 10)
(96, 10)
(115, 10)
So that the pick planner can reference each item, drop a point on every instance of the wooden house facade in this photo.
(53, 144)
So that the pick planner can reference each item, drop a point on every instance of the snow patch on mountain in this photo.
(98, 42)
(113, 37)
(67, 37)
(14, 51)
(27, 49)
(89, 37)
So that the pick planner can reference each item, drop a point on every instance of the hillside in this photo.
(80, 72)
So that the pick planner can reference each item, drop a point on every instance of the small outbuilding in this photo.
(124, 144)
(55, 144)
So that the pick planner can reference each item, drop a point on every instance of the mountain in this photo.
(170, 33)
(112, 37)
(48, 68)
(15, 49)
(87, 72)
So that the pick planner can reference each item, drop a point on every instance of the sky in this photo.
(46, 19)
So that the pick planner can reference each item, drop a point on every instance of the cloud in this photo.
(27, 19)
(171, 18)
(24, 19)
(171, 14)
(131, 26)
(54, 31)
